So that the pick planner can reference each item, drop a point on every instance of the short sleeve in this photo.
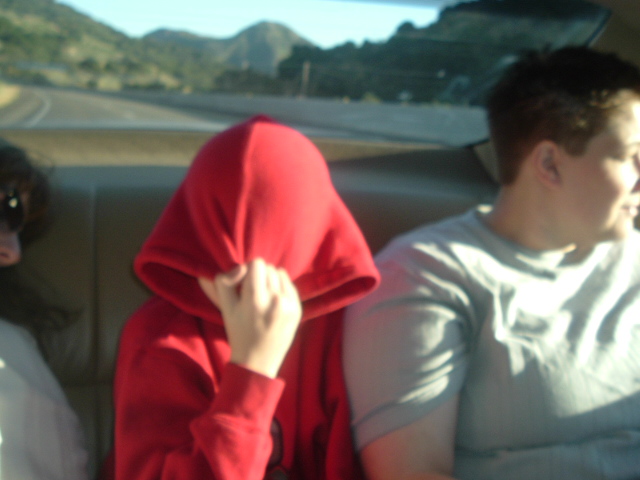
(405, 346)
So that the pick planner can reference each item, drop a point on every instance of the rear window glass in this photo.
(423, 81)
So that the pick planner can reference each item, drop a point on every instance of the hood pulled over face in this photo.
(258, 190)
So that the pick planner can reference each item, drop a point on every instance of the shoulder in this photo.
(20, 358)
(465, 228)
(429, 276)
(16, 341)
(443, 230)
(429, 268)
(443, 249)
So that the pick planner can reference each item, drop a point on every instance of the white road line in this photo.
(44, 109)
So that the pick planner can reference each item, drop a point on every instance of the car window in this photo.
(329, 67)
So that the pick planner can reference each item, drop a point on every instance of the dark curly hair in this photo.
(19, 171)
(21, 303)
(566, 96)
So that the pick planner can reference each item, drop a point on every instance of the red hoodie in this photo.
(259, 189)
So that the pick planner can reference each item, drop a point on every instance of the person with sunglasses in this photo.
(40, 435)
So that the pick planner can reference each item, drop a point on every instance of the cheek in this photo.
(10, 250)
(599, 196)
(622, 182)
(618, 180)
(615, 194)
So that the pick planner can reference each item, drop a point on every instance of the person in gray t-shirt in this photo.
(505, 343)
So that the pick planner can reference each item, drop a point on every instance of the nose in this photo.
(10, 251)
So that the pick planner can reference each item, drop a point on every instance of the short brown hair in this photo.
(566, 96)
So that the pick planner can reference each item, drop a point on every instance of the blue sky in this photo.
(325, 22)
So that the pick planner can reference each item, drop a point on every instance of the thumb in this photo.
(226, 293)
(233, 277)
(223, 290)
(208, 286)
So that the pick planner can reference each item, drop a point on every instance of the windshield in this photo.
(406, 71)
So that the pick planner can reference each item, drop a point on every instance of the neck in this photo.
(527, 219)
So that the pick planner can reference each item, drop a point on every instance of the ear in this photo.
(547, 158)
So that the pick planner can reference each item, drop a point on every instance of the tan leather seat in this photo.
(103, 214)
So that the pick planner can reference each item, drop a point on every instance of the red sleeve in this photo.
(171, 425)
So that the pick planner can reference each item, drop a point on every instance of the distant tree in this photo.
(90, 65)
(456, 57)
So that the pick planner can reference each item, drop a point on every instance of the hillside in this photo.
(452, 60)
(260, 47)
(44, 42)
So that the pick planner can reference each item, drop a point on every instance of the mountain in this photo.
(260, 47)
(44, 42)
(452, 60)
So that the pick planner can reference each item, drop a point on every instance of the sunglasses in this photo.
(11, 209)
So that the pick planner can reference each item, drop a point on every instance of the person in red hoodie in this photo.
(255, 231)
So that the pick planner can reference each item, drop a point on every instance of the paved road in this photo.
(56, 108)
(59, 108)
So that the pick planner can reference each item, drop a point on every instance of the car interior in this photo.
(111, 184)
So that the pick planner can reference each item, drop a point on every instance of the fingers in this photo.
(261, 312)
(221, 291)
(273, 286)
(288, 287)
(256, 282)
(233, 277)
(254, 286)
(273, 280)
(263, 282)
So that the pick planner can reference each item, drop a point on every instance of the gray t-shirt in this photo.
(543, 350)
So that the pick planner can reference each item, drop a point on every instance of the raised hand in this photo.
(261, 312)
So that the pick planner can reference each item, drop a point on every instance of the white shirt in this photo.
(40, 435)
